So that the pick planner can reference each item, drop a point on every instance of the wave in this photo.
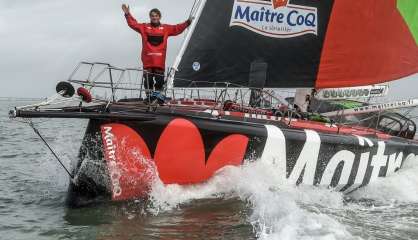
(278, 210)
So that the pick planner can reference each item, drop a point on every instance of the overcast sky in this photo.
(42, 41)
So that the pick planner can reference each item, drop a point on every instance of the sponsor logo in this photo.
(275, 18)
(196, 66)
(387, 106)
(354, 92)
(110, 151)
(279, 3)
(374, 108)
(344, 170)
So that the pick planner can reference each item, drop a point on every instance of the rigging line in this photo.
(52, 151)
(193, 8)
(192, 13)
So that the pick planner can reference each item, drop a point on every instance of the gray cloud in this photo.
(42, 41)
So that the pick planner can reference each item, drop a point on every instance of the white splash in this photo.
(399, 187)
(278, 210)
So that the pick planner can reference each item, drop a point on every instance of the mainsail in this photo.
(303, 43)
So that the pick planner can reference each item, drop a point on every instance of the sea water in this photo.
(248, 202)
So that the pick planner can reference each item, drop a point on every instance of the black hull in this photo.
(186, 149)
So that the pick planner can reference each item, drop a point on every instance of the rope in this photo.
(193, 8)
(52, 151)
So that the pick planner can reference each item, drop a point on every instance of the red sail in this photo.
(367, 42)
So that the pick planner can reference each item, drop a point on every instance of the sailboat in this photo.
(222, 109)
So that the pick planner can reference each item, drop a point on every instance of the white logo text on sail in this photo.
(272, 19)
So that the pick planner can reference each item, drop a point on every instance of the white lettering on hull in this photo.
(115, 173)
(347, 158)
(275, 150)
(361, 172)
(307, 159)
(378, 161)
(395, 162)
(364, 162)
(363, 140)
(305, 168)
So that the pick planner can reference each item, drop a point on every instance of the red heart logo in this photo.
(128, 160)
(279, 3)
(180, 154)
(179, 157)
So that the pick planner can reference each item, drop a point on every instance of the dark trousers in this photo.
(154, 79)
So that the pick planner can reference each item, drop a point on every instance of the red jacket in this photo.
(154, 40)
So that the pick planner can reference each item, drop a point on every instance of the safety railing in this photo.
(110, 83)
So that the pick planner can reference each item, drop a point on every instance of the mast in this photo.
(186, 42)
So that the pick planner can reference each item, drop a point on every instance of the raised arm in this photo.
(175, 30)
(132, 23)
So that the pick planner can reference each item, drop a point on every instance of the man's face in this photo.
(155, 18)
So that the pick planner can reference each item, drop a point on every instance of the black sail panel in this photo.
(232, 35)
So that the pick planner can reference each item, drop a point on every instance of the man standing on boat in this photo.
(154, 45)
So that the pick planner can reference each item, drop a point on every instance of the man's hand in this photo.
(190, 20)
(125, 8)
